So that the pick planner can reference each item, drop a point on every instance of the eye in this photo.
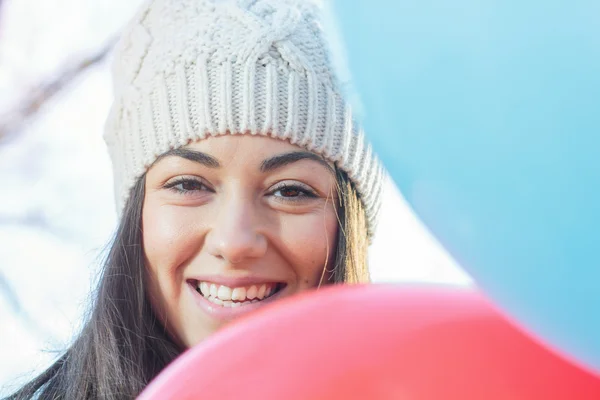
(186, 185)
(293, 192)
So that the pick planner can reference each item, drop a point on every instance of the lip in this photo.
(233, 282)
(225, 314)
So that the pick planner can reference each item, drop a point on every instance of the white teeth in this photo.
(238, 294)
(252, 292)
(224, 293)
(235, 297)
(261, 292)
(205, 289)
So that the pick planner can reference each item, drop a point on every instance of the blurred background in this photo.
(56, 198)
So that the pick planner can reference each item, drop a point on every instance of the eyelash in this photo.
(303, 192)
(182, 181)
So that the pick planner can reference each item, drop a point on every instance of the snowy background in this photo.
(56, 200)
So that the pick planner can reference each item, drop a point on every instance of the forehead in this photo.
(245, 153)
(245, 146)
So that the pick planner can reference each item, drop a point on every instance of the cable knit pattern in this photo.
(187, 69)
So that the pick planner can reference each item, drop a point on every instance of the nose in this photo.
(235, 234)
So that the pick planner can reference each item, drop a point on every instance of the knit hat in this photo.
(188, 69)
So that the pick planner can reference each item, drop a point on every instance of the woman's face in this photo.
(231, 223)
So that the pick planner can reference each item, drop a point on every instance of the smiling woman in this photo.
(227, 222)
(241, 178)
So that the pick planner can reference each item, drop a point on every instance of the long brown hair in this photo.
(123, 346)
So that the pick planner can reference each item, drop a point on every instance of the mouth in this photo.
(232, 297)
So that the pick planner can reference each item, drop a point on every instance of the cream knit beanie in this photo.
(188, 69)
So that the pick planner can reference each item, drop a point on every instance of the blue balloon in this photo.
(487, 115)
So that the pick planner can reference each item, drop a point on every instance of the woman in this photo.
(241, 179)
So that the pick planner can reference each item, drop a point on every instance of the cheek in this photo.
(170, 238)
(311, 242)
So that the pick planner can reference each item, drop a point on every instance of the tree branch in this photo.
(43, 92)
(14, 304)
(35, 220)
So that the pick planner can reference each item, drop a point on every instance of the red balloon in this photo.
(374, 342)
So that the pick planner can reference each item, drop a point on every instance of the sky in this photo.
(57, 213)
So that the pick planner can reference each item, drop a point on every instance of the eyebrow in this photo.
(268, 165)
(193, 155)
(282, 160)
